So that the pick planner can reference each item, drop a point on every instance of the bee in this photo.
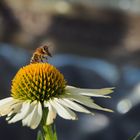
(40, 54)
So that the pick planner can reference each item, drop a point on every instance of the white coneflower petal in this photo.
(37, 116)
(15, 108)
(92, 105)
(22, 114)
(87, 102)
(51, 113)
(90, 92)
(5, 101)
(27, 119)
(62, 111)
(7, 105)
(75, 97)
(34, 116)
(73, 105)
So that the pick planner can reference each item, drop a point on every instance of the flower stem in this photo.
(48, 132)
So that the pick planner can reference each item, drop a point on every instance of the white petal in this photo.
(62, 111)
(7, 105)
(87, 102)
(90, 92)
(22, 114)
(73, 105)
(6, 100)
(51, 113)
(26, 120)
(15, 108)
(78, 96)
(37, 116)
(34, 117)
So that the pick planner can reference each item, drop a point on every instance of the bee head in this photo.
(46, 50)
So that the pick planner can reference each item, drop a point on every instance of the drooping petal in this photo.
(73, 105)
(16, 107)
(6, 100)
(78, 96)
(22, 114)
(90, 92)
(9, 105)
(37, 116)
(88, 102)
(51, 113)
(34, 117)
(62, 111)
(27, 119)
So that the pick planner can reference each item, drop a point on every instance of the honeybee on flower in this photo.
(40, 54)
(38, 86)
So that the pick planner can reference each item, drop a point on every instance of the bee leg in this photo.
(44, 57)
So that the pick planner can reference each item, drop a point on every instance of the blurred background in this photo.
(95, 44)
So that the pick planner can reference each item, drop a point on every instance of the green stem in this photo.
(48, 132)
(135, 137)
